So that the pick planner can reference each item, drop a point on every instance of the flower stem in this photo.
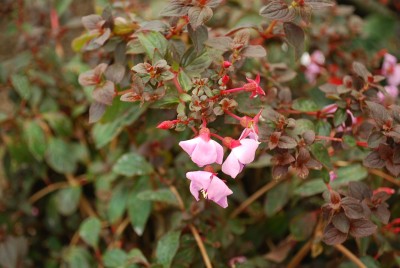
(232, 90)
(232, 114)
(385, 176)
(217, 136)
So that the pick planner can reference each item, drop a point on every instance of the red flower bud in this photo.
(230, 142)
(227, 64)
(225, 79)
(166, 124)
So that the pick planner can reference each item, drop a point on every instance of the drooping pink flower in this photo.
(254, 87)
(243, 152)
(313, 65)
(203, 150)
(210, 186)
(392, 93)
(391, 70)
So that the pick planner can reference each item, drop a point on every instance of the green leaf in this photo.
(347, 174)
(118, 202)
(21, 85)
(162, 195)
(339, 117)
(323, 128)
(302, 125)
(136, 256)
(77, 256)
(62, 6)
(302, 226)
(79, 42)
(59, 156)
(310, 188)
(151, 41)
(185, 81)
(167, 247)
(114, 258)
(36, 139)
(305, 105)
(349, 140)
(67, 200)
(277, 198)
(138, 209)
(103, 133)
(89, 231)
(132, 164)
(320, 152)
(194, 64)
(60, 123)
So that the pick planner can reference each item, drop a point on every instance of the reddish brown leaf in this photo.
(352, 207)
(341, 222)
(362, 228)
(333, 236)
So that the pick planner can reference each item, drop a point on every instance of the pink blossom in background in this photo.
(203, 150)
(392, 92)
(313, 65)
(212, 187)
(391, 70)
(242, 153)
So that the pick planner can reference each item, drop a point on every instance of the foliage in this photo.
(123, 124)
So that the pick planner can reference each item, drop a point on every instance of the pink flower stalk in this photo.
(385, 189)
(243, 152)
(202, 149)
(391, 70)
(212, 187)
(392, 93)
(254, 87)
(313, 65)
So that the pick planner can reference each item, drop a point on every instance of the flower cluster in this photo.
(205, 151)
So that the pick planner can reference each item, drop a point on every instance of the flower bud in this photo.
(166, 124)
(225, 79)
(227, 64)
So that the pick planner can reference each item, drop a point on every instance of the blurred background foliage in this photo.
(79, 195)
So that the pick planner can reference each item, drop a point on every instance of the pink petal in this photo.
(204, 153)
(232, 166)
(189, 145)
(318, 57)
(87, 78)
(219, 150)
(199, 180)
(392, 91)
(394, 79)
(246, 152)
(257, 80)
(218, 191)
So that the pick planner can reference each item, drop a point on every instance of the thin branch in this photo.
(300, 255)
(385, 176)
(350, 256)
(200, 244)
(48, 189)
(193, 229)
(254, 197)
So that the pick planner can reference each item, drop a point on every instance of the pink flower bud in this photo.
(166, 124)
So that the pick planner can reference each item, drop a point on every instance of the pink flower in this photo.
(391, 70)
(392, 92)
(254, 87)
(313, 65)
(243, 152)
(202, 150)
(210, 186)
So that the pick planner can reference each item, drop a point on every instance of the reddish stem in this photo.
(232, 114)
(217, 136)
(177, 85)
(232, 90)
(359, 143)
